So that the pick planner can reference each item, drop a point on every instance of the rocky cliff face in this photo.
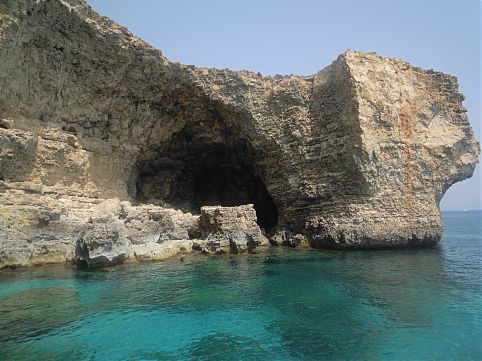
(358, 155)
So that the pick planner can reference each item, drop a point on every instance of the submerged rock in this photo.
(358, 155)
(29, 313)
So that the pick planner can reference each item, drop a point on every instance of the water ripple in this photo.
(278, 304)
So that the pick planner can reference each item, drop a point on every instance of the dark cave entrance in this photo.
(205, 165)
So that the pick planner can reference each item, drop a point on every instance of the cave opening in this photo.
(205, 165)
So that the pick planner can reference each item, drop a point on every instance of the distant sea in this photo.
(280, 304)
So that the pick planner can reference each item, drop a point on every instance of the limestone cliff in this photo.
(96, 122)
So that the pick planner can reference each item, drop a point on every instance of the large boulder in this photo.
(102, 245)
(230, 229)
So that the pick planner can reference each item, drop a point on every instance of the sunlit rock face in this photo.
(358, 155)
(230, 229)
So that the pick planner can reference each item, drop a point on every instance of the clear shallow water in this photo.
(280, 305)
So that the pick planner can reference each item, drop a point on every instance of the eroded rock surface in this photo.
(98, 128)
(101, 245)
(230, 229)
(117, 232)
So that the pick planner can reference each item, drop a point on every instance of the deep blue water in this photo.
(279, 305)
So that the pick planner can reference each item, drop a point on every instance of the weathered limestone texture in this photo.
(230, 229)
(108, 150)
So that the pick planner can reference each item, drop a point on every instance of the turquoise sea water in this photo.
(282, 304)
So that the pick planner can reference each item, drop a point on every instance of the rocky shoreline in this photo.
(111, 153)
(114, 232)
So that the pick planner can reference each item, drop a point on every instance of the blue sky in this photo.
(303, 36)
